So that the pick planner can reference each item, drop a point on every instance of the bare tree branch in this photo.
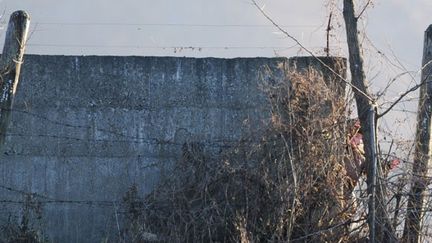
(310, 52)
(414, 88)
(364, 9)
(379, 226)
(327, 50)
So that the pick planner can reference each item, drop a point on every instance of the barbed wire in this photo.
(129, 139)
(116, 24)
(51, 200)
(185, 47)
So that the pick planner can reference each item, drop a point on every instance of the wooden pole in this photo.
(10, 65)
(422, 155)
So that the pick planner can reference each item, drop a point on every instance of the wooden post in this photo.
(422, 155)
(10, 65)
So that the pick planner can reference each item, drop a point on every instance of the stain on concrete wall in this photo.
(85, 128)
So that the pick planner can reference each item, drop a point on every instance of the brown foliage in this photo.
(291, 185)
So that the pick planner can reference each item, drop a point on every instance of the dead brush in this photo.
(290, 186)
(28, 230)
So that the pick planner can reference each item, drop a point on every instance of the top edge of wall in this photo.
(174, 57)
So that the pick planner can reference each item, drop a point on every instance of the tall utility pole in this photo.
(10, 65)
(422, 156)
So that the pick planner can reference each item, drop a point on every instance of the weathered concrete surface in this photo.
(85, 128)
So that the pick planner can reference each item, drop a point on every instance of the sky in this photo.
(392, 34)
(222, 28)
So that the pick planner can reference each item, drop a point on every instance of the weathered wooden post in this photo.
(10, 65)
(422, 156)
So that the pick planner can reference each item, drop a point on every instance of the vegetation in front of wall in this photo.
(25, 230)
(294, 184)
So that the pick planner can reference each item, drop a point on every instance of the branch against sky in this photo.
(366, 108)
(261, 9)
(403, 95)
(364, 9)
(367, 5)
(366, 105)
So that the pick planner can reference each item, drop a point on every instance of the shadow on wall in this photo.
(81, 137)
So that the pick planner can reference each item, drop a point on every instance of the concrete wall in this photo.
(85, 128)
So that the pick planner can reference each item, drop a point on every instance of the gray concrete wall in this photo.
(85, 128)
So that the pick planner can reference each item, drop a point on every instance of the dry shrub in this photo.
(291, 185)
(316, 126)
(28, 229)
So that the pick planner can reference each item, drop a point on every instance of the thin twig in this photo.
(117, 220)
(310, 52)
(364, 9)
(414, 88)
(328, 34)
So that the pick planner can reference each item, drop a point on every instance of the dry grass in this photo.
(28, 229)
(292, 185)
